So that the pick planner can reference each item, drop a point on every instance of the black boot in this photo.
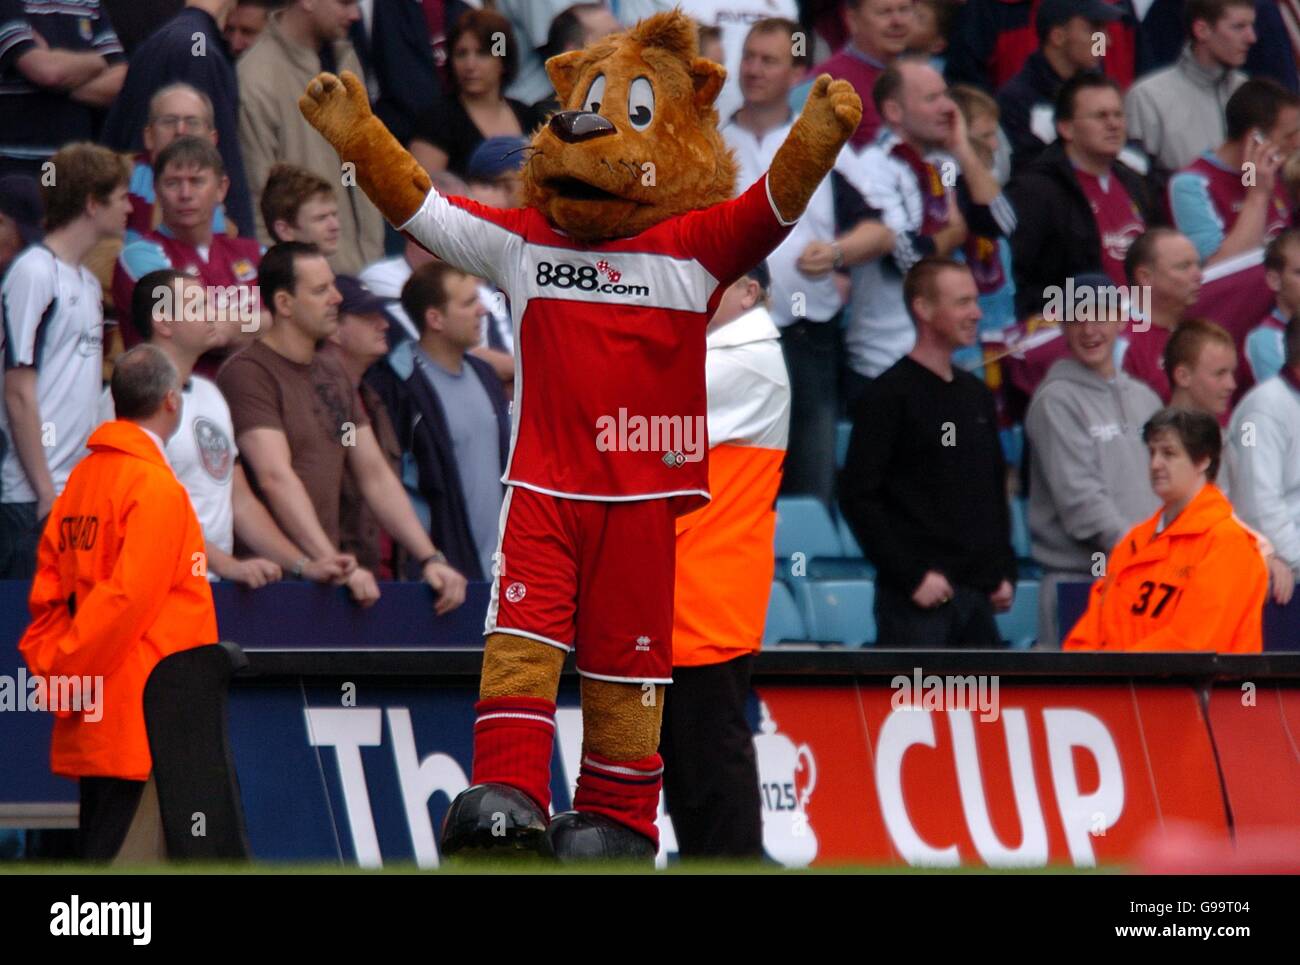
(492, 821)
(583, 836)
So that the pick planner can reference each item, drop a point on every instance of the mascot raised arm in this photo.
(630, 235)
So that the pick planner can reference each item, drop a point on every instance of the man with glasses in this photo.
(176, 110)
(188, 48)
(1078, 207)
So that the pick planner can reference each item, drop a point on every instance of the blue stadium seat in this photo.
(843, 429)
(1019, 625)
(849, 564)
(839, 610)
(803, 525)
(783, 619)
(848, 542)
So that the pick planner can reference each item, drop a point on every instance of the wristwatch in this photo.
(838, 261)
(434, 557)
(297, 570)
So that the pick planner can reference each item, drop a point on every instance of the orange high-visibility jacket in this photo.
(725, 557)
(119, 585)
(1199, 585)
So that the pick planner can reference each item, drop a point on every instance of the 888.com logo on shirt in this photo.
(601, 277)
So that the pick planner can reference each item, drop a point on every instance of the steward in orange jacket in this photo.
(725, 562)
(1198, 585)
(120, 584)
(725, 559)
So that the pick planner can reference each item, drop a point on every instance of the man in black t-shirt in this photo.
(59, 65)
(924, 484)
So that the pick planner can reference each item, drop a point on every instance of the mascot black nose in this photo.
(573, 126)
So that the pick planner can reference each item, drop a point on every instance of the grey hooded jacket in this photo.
(1088, 478)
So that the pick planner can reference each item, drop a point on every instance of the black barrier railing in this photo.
(292, 616)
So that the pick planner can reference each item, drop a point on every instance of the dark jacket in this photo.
(402, 60)
(167, 57)
(1056, 234)
(1037, 83)
(991, 39)
(1271, 54)
(428, 458)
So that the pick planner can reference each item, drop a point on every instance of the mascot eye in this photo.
(595, 94)
(640, 103)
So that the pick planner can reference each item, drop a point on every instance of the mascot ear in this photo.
(708, 78)
(563, 71)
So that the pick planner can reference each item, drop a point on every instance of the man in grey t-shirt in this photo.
(445, 306)
(473, 425)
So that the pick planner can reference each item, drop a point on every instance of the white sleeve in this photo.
(28, 294)
(746, 405)
(1258, 484)
(473, 237)
(877, 179)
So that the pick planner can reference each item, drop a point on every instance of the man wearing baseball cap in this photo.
(493, 171)
(359, 342)
(991, 40)
(1067, 43)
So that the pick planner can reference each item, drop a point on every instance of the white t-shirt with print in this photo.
(202, 454)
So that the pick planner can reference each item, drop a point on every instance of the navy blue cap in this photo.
(357, 298)
(496, 156)
(761, 275)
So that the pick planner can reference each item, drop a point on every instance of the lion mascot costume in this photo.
(630, 234)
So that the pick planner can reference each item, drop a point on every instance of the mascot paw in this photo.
(835, 104)
(335, 106)
(583, 836)
(493, 821)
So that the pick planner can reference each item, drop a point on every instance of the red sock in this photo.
(513, 741)
(624, 791)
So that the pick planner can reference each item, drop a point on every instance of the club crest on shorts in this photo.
(516, 592)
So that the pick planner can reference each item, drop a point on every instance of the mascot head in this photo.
(636, 140)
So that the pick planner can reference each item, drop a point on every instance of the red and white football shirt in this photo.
(610, 397)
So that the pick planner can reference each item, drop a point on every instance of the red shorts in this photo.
(591, 576)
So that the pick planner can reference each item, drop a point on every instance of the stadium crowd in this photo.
(1061, 243)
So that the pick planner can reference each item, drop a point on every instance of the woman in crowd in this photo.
(1190, 577)
(483, 62)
